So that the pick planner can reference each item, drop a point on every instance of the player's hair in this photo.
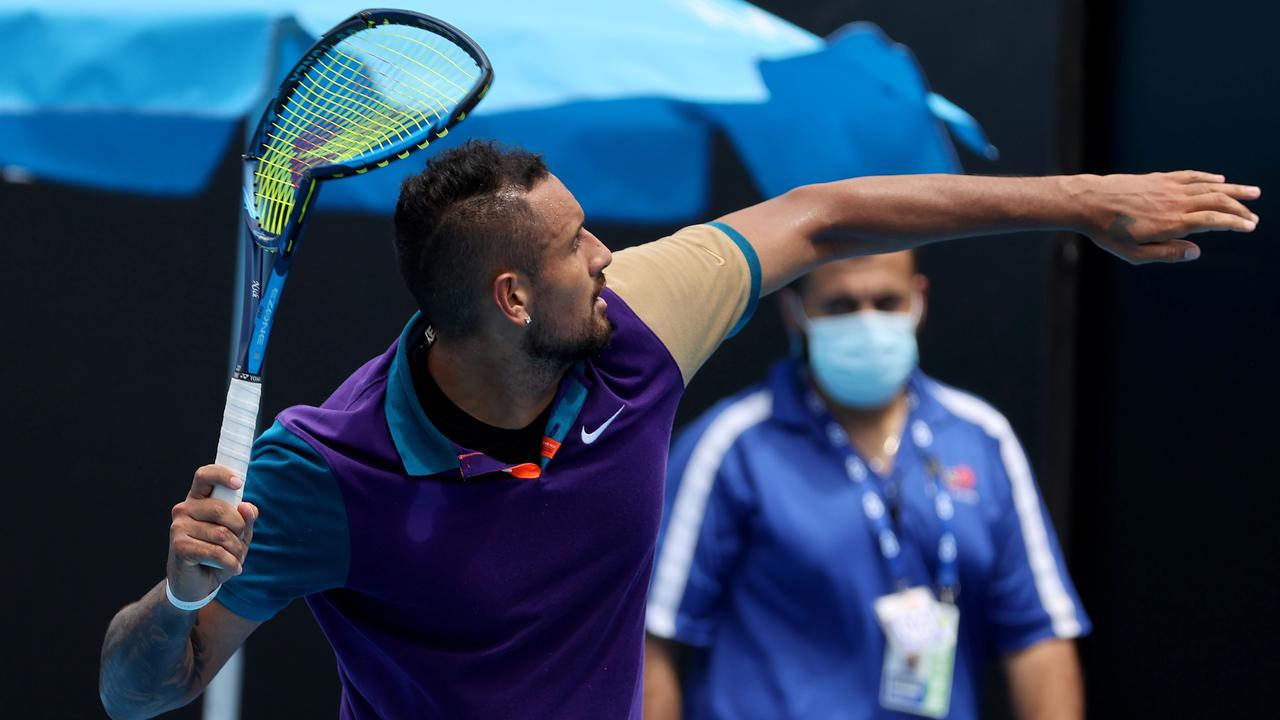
(460, 222)
(798, 285)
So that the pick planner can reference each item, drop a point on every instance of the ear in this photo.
(511, 294)
(791, 306)
(920, 288)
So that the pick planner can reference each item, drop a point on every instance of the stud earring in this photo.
(528, 320)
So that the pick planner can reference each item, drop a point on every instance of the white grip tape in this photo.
(239, 420)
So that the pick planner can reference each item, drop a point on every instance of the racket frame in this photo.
(262, 294)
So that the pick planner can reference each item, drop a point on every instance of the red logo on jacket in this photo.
(962, 481)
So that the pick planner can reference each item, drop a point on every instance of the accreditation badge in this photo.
(920, 652)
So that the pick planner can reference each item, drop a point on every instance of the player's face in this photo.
(878, 282)
(569, 321)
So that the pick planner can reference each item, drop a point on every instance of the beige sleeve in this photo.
(691, 288)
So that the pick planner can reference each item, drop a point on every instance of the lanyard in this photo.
(873, 505)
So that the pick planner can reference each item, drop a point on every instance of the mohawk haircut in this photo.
(460, 222)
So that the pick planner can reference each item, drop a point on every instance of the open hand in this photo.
(1146, 218)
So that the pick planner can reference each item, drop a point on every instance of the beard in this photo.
(556, 342)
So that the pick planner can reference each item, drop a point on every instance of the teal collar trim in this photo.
(423, 449)
(573, 397)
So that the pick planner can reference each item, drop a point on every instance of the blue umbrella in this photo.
(622, 98)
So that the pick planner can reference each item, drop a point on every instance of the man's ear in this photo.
(920, 289)
(792, 309)
(511, 295)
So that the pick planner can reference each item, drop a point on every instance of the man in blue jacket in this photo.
(853, 539)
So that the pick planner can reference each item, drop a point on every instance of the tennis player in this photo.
(472, 515)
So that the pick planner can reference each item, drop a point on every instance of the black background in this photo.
(1143, 395)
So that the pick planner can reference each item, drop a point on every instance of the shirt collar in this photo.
(424, 450)
(925, 405)
(790, 393)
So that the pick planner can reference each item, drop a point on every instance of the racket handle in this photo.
(239, 420)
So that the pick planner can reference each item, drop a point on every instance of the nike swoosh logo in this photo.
(709, 251)
(590, 437)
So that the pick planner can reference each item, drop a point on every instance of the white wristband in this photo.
(183, 604)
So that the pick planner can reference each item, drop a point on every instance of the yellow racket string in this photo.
(380, 107)
(414, 61)
(362, 110)
(433, 99)
(371, 92)
(371, 101)
(435, 51)
(365, 41)
(375, 125)
(316, 104)
(362, 124)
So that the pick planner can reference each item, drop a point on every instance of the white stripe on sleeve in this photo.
(1026, 501)
(690, 506)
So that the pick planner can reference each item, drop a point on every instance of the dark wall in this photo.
(1176, 542)
(115, 346)
(118, 335)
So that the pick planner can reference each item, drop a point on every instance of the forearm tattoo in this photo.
(198, 657)
(152, 659)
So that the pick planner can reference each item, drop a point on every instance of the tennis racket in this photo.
(379, 86)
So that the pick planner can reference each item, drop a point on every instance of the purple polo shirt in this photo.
(448, 586)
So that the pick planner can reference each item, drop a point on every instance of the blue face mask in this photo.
(862, 359)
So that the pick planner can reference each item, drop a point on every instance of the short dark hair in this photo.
(798, 285)
(460, 221)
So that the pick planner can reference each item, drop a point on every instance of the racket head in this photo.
(375, 88)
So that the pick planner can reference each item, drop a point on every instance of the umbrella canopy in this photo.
(622, 98)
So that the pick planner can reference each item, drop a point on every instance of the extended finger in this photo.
(1211, 220)
(1196, 176)
(1239, 192)
(209, 476)
(212, 511)
(1169, 251)
(1221, 203)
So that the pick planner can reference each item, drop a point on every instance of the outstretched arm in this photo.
(1140, 218)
